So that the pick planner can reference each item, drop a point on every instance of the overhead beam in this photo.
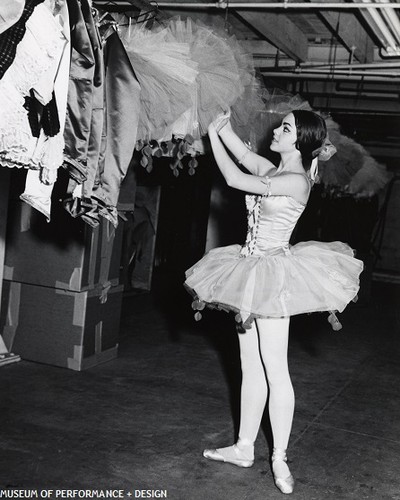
(264, 54)
(261, 5)
(279, 30)
(321, 54)
(350, 33)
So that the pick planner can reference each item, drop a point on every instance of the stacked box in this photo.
(64, 253)
(75, 330)
(61, 292)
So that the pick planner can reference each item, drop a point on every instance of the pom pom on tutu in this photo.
(335, 323)
(198, 305)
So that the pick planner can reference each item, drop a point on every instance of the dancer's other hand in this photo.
(221, 121)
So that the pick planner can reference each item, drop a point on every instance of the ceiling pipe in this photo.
(350, 72)
(365, 112)
(279, 5)
(292, 75)
(355, 94)
(263, 5)
(354, 66)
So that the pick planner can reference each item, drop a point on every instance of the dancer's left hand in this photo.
(221, 120)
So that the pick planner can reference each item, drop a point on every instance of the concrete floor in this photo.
(141, 421)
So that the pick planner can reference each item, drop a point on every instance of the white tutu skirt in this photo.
(189, 73)
(307, 277)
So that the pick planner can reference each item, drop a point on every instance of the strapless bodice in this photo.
(270, 223)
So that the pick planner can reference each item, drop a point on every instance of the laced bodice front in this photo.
(270, 223)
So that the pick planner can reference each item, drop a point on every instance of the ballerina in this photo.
(266, 280)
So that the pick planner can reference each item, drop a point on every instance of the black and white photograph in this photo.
(200, 249)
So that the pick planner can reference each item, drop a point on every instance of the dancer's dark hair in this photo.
(311, 134)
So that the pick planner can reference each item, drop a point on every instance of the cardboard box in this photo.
(75, 330)
(65, 253)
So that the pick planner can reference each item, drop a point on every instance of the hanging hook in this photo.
(226, 27)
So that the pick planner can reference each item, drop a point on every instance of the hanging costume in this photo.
(15, 32)
(268, 278)
(100, 135)
(37, 56)
(166, 75)
(10, 13)
(33, 98)
(224, 70)
(152, 84)
(189, 74)
(122, 117)
(133, 85)
(86, 78)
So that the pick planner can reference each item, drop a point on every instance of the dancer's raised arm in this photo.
(289, 184)
(253, 162)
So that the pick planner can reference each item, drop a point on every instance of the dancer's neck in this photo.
(291, 162)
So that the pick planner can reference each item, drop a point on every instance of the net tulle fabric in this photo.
(189, 74)
(222, 68)
(259, 111)
(166, 75)
(352, 170)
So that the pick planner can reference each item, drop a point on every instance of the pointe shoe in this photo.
(231, 454)
(284, 480)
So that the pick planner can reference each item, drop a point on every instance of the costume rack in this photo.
(138, 11)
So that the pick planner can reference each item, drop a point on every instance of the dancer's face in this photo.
(285, 136)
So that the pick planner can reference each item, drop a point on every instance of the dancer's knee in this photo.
(278, 374)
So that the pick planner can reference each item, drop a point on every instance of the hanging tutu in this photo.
(352, 171)
(369, 180)
(166, 75)
(225, 74)
(260, 110)
(189, 74)
(223, 68)
(267, 278)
